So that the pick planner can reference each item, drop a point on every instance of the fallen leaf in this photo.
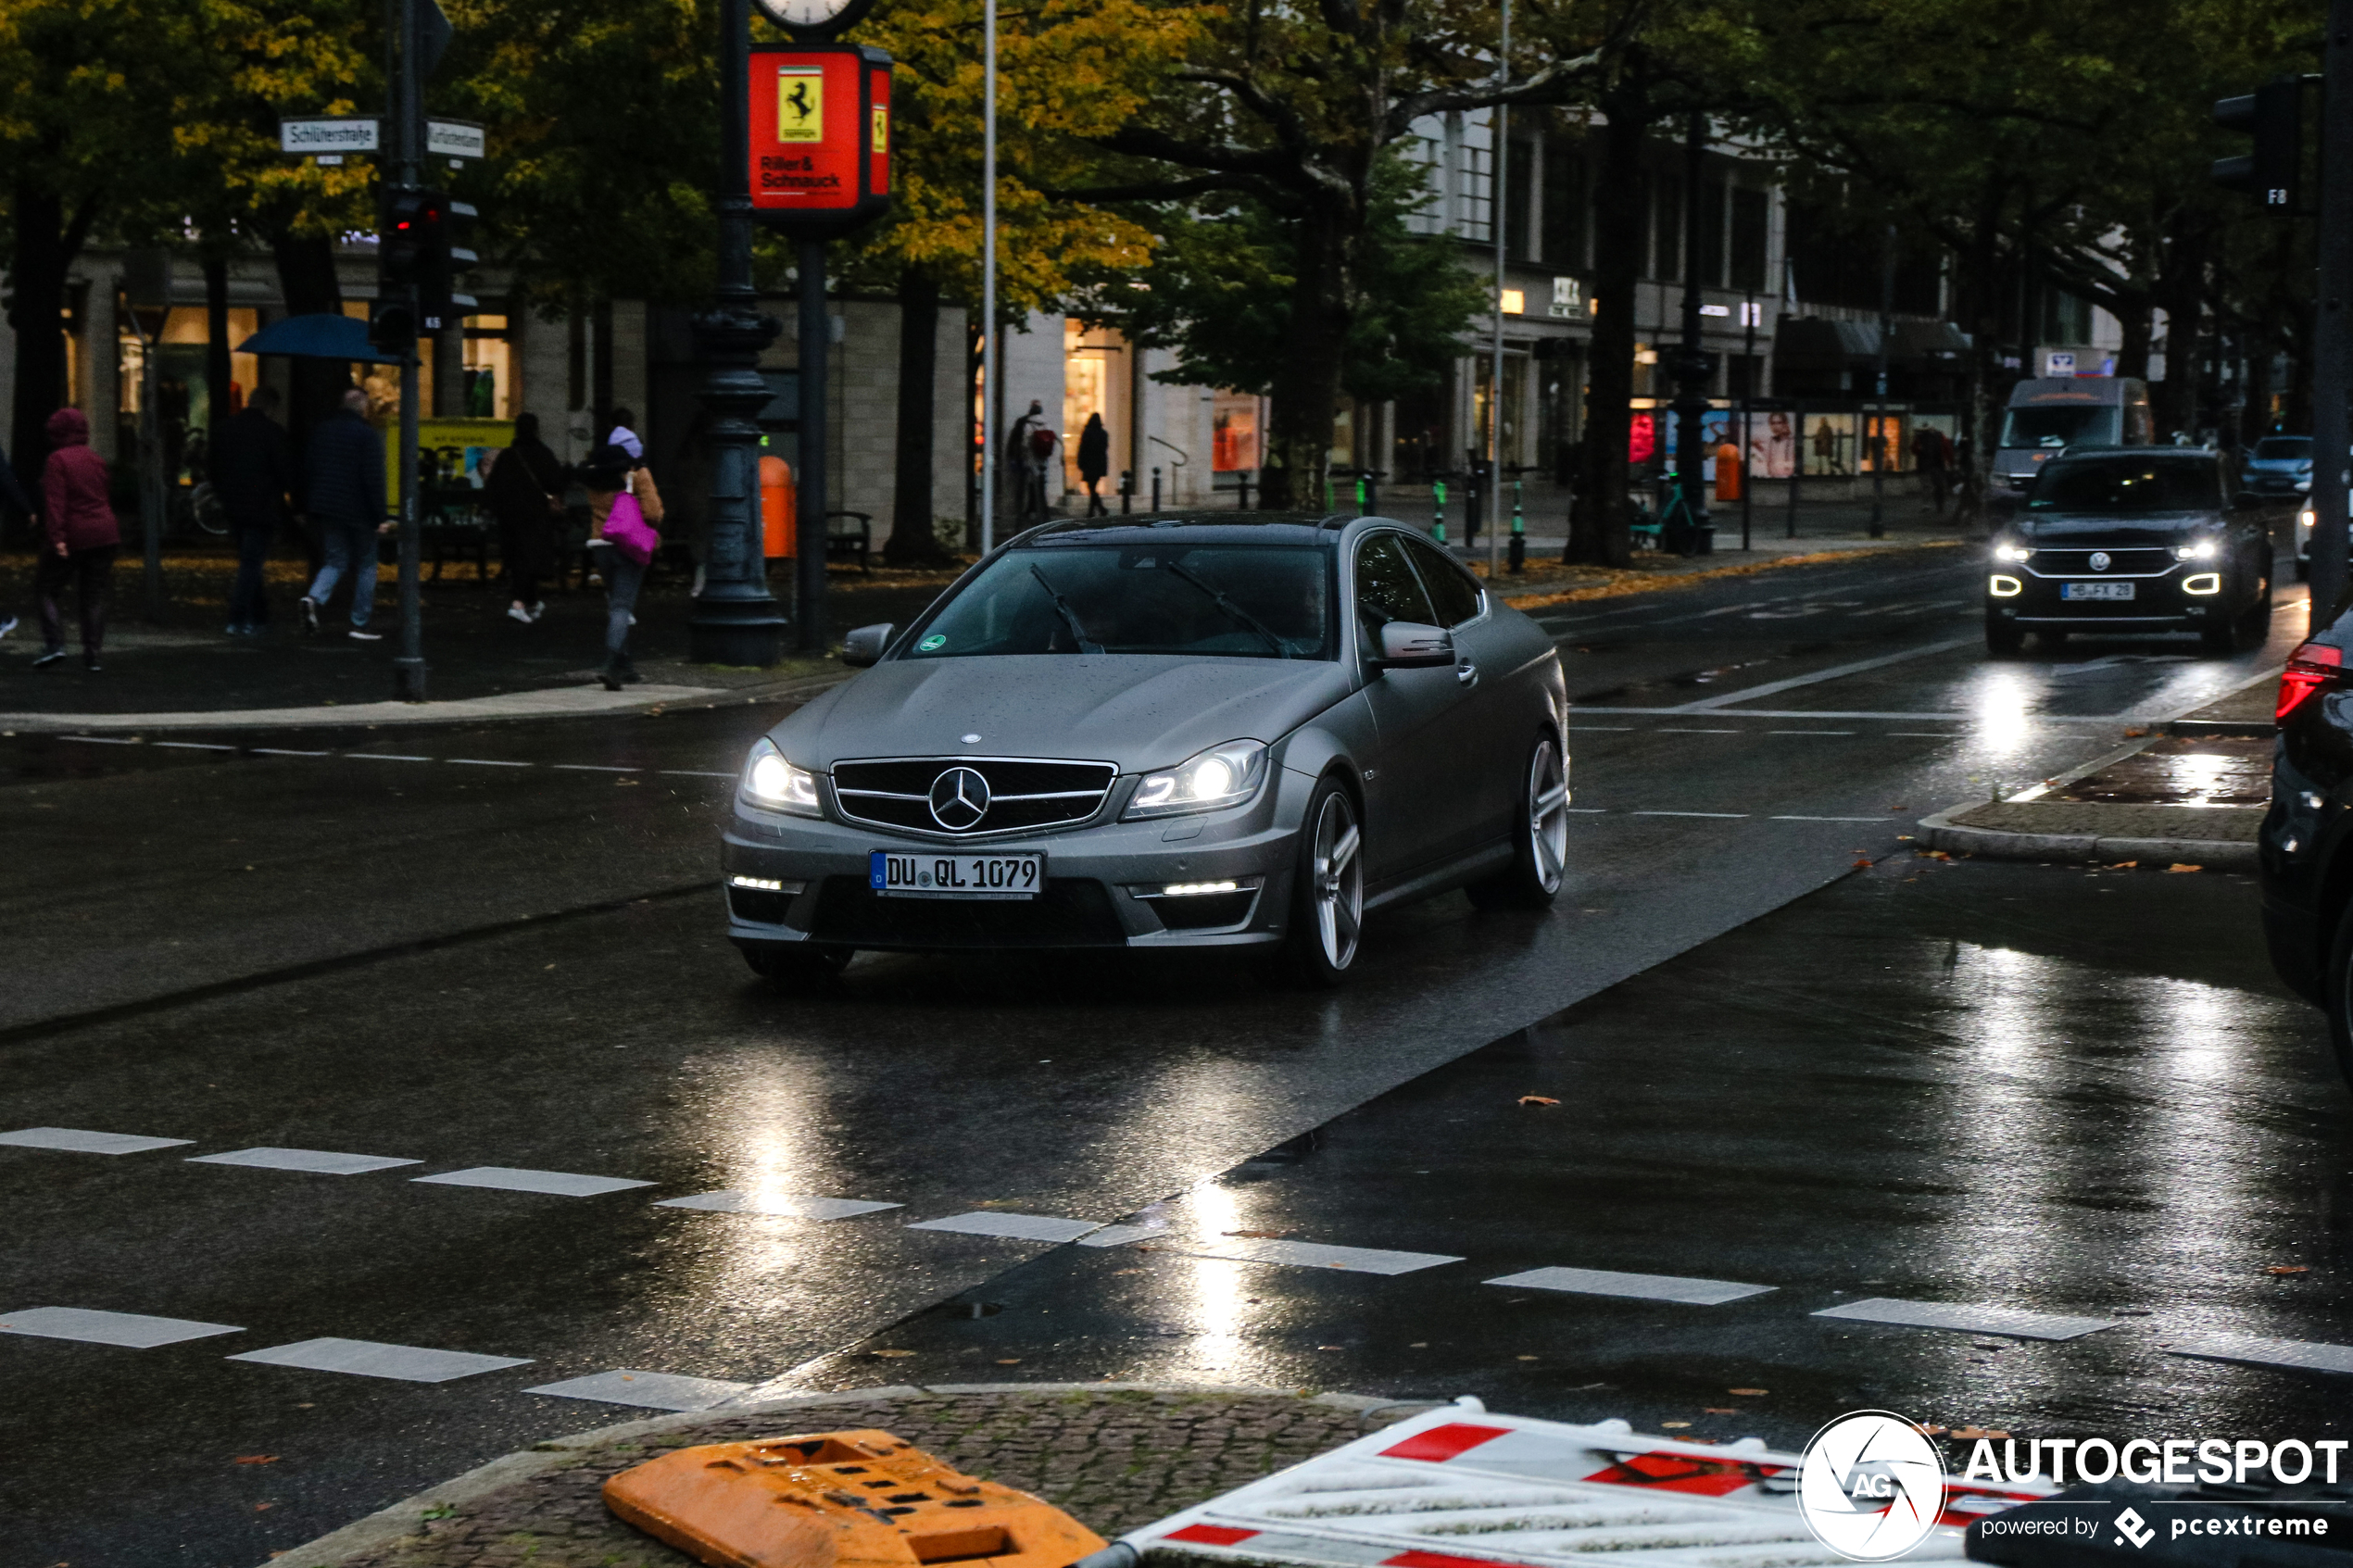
(2179, 866)
(1717, 1410)
(625, 784)
(1525, 1358)
(1009, 1361)
(2135, 734)
(1538, 1099)
(1126, 1270)
(1931, 854)
(261, 1507)
(1746, 1392)
(2287, 1269)
(1418, 1344)
(255, 1458)
(893, 1354)
(1971, 1434)
(1328, 1346)
(1674, 1424)
(2123, 865)
(1861, 865)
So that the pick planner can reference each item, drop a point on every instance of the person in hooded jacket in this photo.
(79, 537)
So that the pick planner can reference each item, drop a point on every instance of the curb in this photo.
(406, 1517)
(2208, 854)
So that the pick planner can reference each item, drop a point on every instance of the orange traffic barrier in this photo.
(779, 498)
(840, 1500)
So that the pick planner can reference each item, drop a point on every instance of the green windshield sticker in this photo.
(936, 640)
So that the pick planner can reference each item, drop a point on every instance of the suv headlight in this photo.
(2202, 550)
(2012, 552)
(1225, 775)
(2304, 519)
(776, 783)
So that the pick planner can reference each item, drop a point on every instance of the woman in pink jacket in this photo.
(79, 537)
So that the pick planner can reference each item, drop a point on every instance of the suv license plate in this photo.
(895, 874)
(2096, 590)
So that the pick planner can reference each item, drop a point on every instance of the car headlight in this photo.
(2012, 552)
(774, 783)
(1222, 776)
(2304, 519)
(2202, 550)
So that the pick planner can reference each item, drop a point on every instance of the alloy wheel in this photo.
(1548, 815)
(1339, 887)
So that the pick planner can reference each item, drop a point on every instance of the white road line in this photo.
(1586, 810)
(691, 773)
(483, 762)
(561, 1184)
(1809, 731)
(1018, 1227)
(366, 1358)
(1727, 815)
(383, 756)
(132, 1331)
(1314, 1255)
(318, 1162)
(1963, 1317)
(799, 1207)
(104, 740)
(589, 767)
(1588, 729)
(1666, 729)
(1829, 818)
(79, 1140)
(274, 751)
(1835, 673)
(645, 1390)
(2295, 1353)
(1928, 734)
(1642, 1287)
(194, 745)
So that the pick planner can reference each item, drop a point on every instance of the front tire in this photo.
(1328, 889)
(1539, 839)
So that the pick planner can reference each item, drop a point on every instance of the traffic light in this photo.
(449, 256)
(2273, 115)
(413, 224)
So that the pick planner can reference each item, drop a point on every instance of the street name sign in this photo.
(347, 134)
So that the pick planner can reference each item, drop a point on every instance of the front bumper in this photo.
(2160, 601)
(1103, 888)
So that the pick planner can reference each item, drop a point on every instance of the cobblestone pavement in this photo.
(1114, 1459)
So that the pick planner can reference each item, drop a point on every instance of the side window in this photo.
(1450, 588)
(1387, 589)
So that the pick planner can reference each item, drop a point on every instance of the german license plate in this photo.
(897, 874)
(2096, 590)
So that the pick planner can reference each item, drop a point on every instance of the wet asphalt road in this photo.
(1983, 1084)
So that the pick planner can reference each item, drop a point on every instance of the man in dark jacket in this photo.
(342, 492)
(252, 472)
(78, 535)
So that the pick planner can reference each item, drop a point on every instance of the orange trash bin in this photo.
(1728, 472)
(779, 510)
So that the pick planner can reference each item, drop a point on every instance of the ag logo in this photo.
(1870, 1487)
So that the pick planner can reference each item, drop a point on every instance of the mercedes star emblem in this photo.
(959, 800)
(2101, 560)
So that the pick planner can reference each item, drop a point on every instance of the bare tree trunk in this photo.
(2181, 288)
(46, 242)
(1306, 392)
(913, 541)
(307, 278)
(1597, 529)
(2133, 356)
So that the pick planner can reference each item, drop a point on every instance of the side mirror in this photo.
(1405, 644)
(2247, 501)
(863, 649)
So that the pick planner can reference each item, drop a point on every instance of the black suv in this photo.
(2131, 539)
(2306, 845)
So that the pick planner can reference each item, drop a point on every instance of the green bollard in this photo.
(1438, 527)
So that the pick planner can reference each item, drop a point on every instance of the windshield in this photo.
(2283, 449)
(2061, 426)
(2125, 484)
(1237, 601)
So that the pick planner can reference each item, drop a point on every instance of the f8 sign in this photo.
(820, 147)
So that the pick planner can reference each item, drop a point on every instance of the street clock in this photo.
(814, 19)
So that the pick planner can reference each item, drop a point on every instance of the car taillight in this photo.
(2309, 667)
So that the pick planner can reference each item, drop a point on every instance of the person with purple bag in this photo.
(623, 507)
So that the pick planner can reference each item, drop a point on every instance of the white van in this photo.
(2048, 414)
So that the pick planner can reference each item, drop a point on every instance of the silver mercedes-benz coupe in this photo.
(1215, 731)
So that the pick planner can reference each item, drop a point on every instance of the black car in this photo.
(2307, 844)
(2131, 539)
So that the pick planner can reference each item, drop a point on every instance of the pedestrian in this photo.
(1930, 455)
(78, 535)
(612, 473)
(343, 491)
(1041, 458)
(1970, 492)
(14, 502)
(1094, 462)
(1013, 462)
(252, 472)
(525, 494)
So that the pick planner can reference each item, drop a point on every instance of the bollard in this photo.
(1127, 489)
(1242, 477)
(1360, 495)
(1155, 489)
(1519, 530)
(1438, 527)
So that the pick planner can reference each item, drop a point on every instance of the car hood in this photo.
(2085, 529)
(1140, 710)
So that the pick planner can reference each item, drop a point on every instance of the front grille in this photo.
(2123, 561)
(1070, 912)
(1024, 793)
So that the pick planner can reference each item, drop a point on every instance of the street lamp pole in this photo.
(1877, 420)
(409, 664)
(1501, 173)
(990, 369)
(736, 621)
(1690, 365)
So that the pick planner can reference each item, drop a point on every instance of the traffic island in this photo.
(2195, 799)
(1115, 1456)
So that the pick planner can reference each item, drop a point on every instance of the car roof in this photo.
(1321, 530)
(2140, 454)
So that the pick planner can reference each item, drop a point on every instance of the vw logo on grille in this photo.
(2102, 561)
(959, 800)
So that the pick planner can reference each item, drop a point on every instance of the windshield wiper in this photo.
(1070, 618)
(1235, 612)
